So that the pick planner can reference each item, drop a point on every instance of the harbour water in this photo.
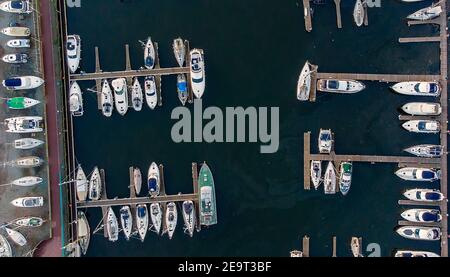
(254, 51)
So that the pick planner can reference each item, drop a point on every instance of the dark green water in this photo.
(254, 51)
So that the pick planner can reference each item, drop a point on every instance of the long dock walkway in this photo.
(128, 73)
(307, 15)
(419, 39)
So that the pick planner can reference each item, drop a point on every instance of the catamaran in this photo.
(340, 86)
(149, 54)
(24, 82)
(424, 195)
(137, 180)
(28, 202)
(156, 216)
(153, 180)
(5, 247)
(316, 173)
(304, 83)
(142, 220)
(18, 43)
(16, 236)
(358, 13)
(27, 162)
(106, 99)
(197, 72)
(126, 220)
(208, 210)
(179, 50)
(189, 217)
(422, 126)
(73, 48)
(418, 174)
(345, 177)
(18, 58)
(31, 222)
(112, 227)
(27, 143)
(418, 88)
(83, 232)
(27, 181)
(182, 88)
(136, 95)
(81, 184)
(420, 233)
(150, 92)
(422, 108)
(16, 31)
(329, 180)
(422, 215)
(171, 219)
(325, 141)
(24, 124)
(20, 103)
(426, 150)
(76, 100)
(95, 185)
(15, 6)
(120, 95)
(427, 13)
(415, 254)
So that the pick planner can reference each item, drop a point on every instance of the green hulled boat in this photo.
(208, 211)
(19, 103)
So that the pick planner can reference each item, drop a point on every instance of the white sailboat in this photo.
(358, 13)
(106, 99)
(150, 92)
(179, 50)
(136, 95)
(27, 143)
(27, 181)
(171, 218)
(120, 95)
(142, 220)
(316, 173)
(112, 227)
(126, 220)
(427, 13)
(189, 217)
(73, 48)
(426, 150)
(27, 162)
(5, 248)
(329, 181)
(24, 124)
(149, 54)
(76, 100)
(81, 184)
(83, 232)
(16, 236)
(197, 72)
(304, 83)
(95, 185)
(153, 180)
(156, 216)
(137, 180)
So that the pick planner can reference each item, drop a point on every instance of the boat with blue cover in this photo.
(182, 88)
(422, 215)
(24, 82)
(420, 233)
(418, 174)
(149, 54)
(126, 221)
(16, 6)
(422, 126)
(424, 195)
(153, 180)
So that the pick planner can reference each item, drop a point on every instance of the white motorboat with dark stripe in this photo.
(422, 126)
(197, 72)
(418, 174)
(76, 100)
(422, 215)
(18, 43)
(16, 6)
(28, 202)
(422, 108)
(426, 150)
(150, 92)
(24, 82)
(73, 48)
(419, 233)
(424, 195)
(24, 124)
(418, 88)
(415, 254)
(340, 86)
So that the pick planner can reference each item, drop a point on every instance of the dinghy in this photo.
(142, 220)
(329, 182)
(316, 173)
(424, 195)
(120, 95)
(136, 95)
(358, 13)
(171, 218)
(189, 217)
(182, 88)
(95, 185)
(27, 143)
(422, 215)
(81, 185)
(112, 227)
(179, 50)
(420, 233)
(31, 221)
(16, 236)
(5, 248)
(126, 220)
(304, 83)
(156, 216)
(20, 103)
(149, 54)
(106, 99)
(28, 202)
(150, 92)
(197, 73)
(83, 232)
(28, 181)
(137, 180)
(153, 180)
(418, 174)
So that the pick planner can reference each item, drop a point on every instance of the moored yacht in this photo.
(340, 86)
(18, 43)
(112, 227)
(188, 210)
(415, 254)
(358, 13)
(120, 95)
(316, 173)
(355, 246)
(137, 180)
(27, 143)
(73, 48)
(17, 58)
(16, 31)
(197, 72)
(24, 82)
(422, 108)
(76, 100)
(418, 88)
(95, 185)
(171, 219)
(27, 181)
(153, 180)
(426, 150)
(83, 232)
(427, 13)
(325, 141)
(126, 220)
(20, 103)
(136, 95)
(150, 92)
(182, 88)
(304, 83)
(149, 54)
(28, 202)
(419, 233)
(142, 220)
(81, 184)
(30, 222)
(16, 236)
(27, 162)
(208, 208)
(156, 216)
(418, 174)
(5, 248)
(329, 180)
(345, 177)
(422, 126)
(422, 215)
(106, 99)
(424, 195)
(24, 124)
(16, 6)
(179, 50)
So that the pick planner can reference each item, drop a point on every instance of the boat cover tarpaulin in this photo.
(428, 174)
(17, 5)
(430, 216)
(182, 86)
(432, 196)
(152, 184)
(15, 82)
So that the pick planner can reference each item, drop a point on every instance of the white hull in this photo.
(329, 181)
(16, 236)
(112, 227)
(81, 185)
(356, 247)
(76, 100)
(18, 43)
(418, 88)
(27, 143)
(137, 180)
(418, 174)
(156, 216)
(150, 92)
(24, 125)
(28, 181)
(182, 88)
(340, 86)
(422, 126)
(426, 150)
(189, 216)
(171, 219)
(15, 58)
(28, 202)
(29, 222)
(358, 13)
(73, 48)
(419, 233)
(427, 13)
(24, 8)
(83, 232)
(106, 99)
(120, 95)
(136, 95)
(304, 83)
(325, 141)
(422, 215)
(24, 82)
(424, 195)
(197, 72)
(28, 162)
(149, 54)
(179, 51)
(142, 220)
(153, 180)
(5, 247)
(422, 108)
(126, 221)
(316, 173)
(415, 254)
(95, 185)
(16, 31)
